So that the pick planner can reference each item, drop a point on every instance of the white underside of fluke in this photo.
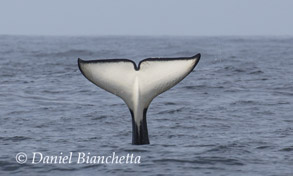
(137, 86)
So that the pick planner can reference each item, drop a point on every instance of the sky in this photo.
(147, 17)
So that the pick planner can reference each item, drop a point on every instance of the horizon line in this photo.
(146, 35)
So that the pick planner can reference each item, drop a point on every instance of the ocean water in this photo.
(233, 115)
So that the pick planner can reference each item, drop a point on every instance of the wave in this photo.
(78, 53)
(203, 160)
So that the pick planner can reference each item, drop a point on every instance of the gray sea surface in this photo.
(233, 115)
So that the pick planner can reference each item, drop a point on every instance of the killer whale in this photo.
(138, 85)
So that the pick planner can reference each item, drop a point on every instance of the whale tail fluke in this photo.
(138, 85)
